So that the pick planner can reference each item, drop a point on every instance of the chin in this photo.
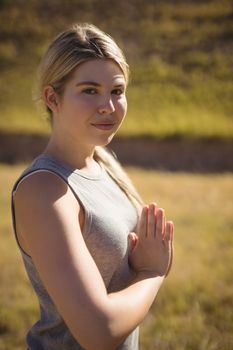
(105, 140)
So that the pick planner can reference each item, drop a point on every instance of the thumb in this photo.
(132, 241)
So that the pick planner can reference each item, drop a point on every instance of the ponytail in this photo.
(115, 170)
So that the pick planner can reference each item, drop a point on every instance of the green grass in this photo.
(194, 307)
(161, 104)
(169, 105)
(180, 55)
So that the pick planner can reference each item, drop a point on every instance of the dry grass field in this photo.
(193, 310)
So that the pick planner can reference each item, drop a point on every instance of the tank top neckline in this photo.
(70, 169)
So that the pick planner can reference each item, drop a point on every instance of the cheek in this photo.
(122, 107)
(86, 104)
(78, 106)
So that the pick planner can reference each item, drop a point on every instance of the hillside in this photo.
(180, 53)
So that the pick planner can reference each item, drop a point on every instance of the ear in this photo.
(50, 98)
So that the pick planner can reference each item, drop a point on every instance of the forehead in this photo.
(99, 70)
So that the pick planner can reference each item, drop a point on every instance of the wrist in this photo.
(148, 274)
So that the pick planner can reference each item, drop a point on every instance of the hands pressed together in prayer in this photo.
(151, 246)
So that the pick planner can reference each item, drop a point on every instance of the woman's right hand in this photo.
(152, 248)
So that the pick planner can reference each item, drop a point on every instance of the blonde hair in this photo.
(80, 43)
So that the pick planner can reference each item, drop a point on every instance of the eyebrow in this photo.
(93, 83)
(88, 83)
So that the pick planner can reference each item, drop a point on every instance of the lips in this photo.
(103, 126)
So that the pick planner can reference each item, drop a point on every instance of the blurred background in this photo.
(176, 143)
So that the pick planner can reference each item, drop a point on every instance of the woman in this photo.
(95, 255)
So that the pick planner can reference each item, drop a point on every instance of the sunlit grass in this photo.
(180, 58)
(165, 103)
(18, 306)
(163, 100)
(194, 307)
(161, 106)
(23, 120)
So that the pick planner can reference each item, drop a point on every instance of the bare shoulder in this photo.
(42, 185)
(44, 203)
(44, 191)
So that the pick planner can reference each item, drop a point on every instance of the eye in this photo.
(118, 91)
(90, 91)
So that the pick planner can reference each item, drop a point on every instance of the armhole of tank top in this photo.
(87, 215)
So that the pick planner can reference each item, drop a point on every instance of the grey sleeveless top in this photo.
(109, 217)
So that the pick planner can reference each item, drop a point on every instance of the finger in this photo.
(156, 210)
(164, 227)
(169, 239)
(132, 241)
(142, 225)
(151, 221)
(169, 228)
(160, 223)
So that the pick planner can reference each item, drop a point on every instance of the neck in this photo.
(74, 154)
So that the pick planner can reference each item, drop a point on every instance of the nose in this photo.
(106, 106)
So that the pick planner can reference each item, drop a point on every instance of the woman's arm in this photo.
(47, 221)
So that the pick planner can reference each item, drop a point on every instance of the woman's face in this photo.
(93, 104)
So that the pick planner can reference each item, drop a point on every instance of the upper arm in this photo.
(47, 218)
